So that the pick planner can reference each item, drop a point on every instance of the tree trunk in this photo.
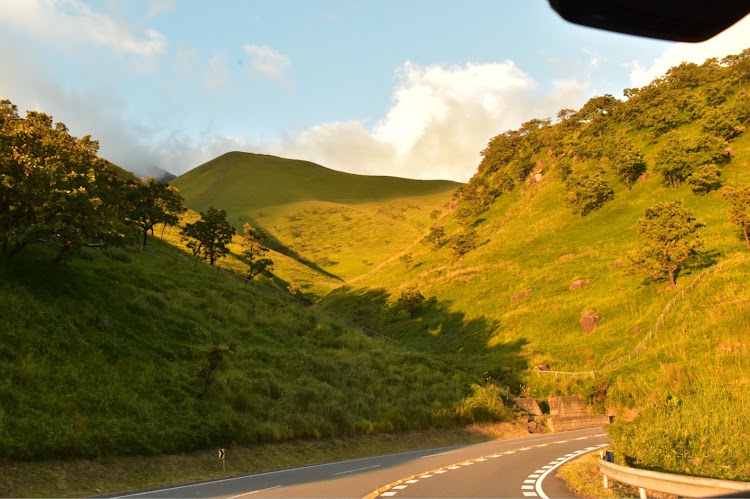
(63, 250)
(672, 283)
(145, 236)
(747, 240)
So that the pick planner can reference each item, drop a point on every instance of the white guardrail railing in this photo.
(680, 485)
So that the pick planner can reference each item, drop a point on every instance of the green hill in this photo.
(516, 301)
(311, 211)
(160, 355)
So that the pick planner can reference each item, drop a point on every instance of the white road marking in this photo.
(358, 469)
(399, 487)
(529, 494)
(480, 460)
(440, 471)
(453, 467)
(388, 494)
(425, 476)
(555, 464)
(466, 464)
(527, 487)
(542, 445)
(531, 480)
(411, 481)
(440, 454)
(538, 472)
(253, 492)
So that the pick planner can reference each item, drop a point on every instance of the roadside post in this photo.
(223, 457)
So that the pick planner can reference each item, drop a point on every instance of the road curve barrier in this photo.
(680, 485)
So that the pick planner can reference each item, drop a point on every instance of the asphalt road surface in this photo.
(519, 467)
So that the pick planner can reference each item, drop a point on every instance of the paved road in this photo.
(520, 467)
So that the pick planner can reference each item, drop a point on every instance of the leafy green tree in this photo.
(437, 237)
(412, 300)
(679, 156)
(627, 162)
(435, 214)
(152, 202)
(54, 188)
(406, 259)
(705, 178)
(739, 212)
(464, 242)
(208, 237)
(587, 192)
(669, 236)
(254, 241)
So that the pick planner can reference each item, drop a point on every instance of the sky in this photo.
(409, 88)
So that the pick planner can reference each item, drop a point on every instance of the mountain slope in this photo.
(339, 224)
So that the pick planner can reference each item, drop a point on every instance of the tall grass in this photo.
(108, 358)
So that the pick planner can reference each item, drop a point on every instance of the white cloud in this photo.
(439, 120)
(158, 6)
(66, 21)
(267, 62)
(218, 75)
(732, 41)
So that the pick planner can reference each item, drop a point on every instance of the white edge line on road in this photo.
(253, 492)
(538, 486)
(352, 471)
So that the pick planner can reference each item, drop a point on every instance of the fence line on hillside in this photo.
(279, 295)
(641, 346)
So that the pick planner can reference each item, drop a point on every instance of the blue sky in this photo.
(407, 88)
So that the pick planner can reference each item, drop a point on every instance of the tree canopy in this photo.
(254, 240)
(739, 212)
(208, 237)
(54, 188)
(668, 238)
(151, 202)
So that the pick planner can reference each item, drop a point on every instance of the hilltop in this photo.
(312, 212)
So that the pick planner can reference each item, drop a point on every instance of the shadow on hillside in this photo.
(437, 330)
(276, 245)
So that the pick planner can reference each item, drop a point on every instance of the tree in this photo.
(464, 242)
(705, 178)
(152, 202)
(208, 237)
(587, 192)
(435, 214)
(739, 213)
(255, 252)
(437, 237)
(679, 156)
(628, 162)
(669, 236)
(412, 300)
(406, 259)
(54, 188)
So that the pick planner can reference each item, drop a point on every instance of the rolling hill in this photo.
(311, 212)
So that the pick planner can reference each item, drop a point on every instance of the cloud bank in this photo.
(439, 119)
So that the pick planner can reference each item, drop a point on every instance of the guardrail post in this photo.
(606, 482)
(642, 493)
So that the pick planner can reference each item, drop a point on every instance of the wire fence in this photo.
(282, 296)
(641, 346)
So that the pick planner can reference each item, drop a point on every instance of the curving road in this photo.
(520, 467)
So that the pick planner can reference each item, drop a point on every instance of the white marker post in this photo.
(223, 457)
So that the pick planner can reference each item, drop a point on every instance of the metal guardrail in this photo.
(680, 485)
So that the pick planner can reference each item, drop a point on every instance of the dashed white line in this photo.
(530, 480)
(411, 481)
(253, 492)
(358, 469)
(388, 494)
(399, 487)
(529, 494)
(527, 487)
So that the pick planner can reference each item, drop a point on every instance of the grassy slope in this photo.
(313, 212)
(102, 358)
(530, 241)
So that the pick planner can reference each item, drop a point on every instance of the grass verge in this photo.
(93, 477)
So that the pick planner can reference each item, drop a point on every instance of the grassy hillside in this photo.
(511, 303)
(312, 212)
(158, 356)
